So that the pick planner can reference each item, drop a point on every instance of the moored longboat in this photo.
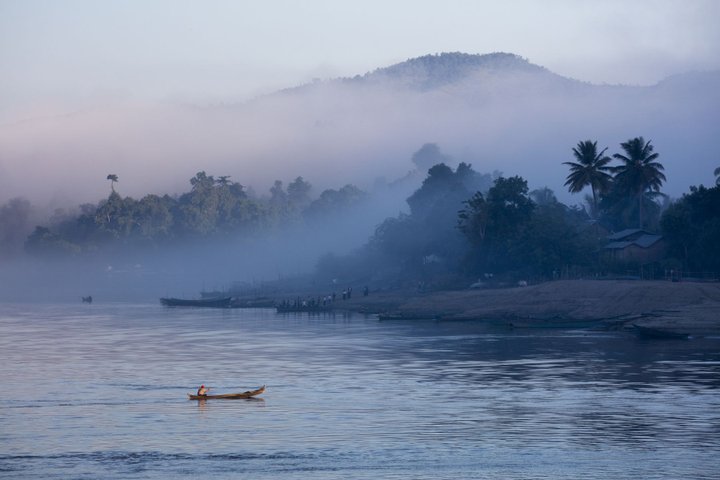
(224, 302)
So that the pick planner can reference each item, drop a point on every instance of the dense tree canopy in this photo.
(639, 172)
(591, 169)
(493, 223)
(692, 227)
(628, 197)
(460, 223)
(213, 207)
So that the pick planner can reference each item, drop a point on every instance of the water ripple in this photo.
(103, 395)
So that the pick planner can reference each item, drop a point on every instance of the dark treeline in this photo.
(465, 225)
(213, 208)
(460, 224)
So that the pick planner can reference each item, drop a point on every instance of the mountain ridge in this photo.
(431, 71)
(435, 70)
(496, 111)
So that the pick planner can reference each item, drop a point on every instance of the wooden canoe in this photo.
(228, 396)
(224, 302)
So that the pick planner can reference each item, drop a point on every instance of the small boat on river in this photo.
(224, 302)
(228, 396)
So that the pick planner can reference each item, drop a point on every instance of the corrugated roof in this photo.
(624, 233)
(644, 241)
(647, 240)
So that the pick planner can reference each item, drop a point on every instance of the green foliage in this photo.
(473, 219)
(426, 241)
(472, 180)
(212, 208)
(555, 236)
(590, 170)
(335, 202)
(494, 224)
(42, 242)
(113, 178)
(154, 217)
(620, 210)
(543, 196)
(434, 208)
(638, 173)
(400, 239)
(442, 193)
(298, 193)
(692, 227)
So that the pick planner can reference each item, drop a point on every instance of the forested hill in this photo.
(433, 71)
(430, 72)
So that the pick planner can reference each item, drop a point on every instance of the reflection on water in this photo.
(100, 391)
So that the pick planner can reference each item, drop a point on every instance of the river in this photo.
(99, 391)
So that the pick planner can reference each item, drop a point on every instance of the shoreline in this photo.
(688, 307)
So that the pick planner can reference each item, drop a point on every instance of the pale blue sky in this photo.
(80, 50)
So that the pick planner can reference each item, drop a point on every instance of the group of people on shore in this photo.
(320, 302)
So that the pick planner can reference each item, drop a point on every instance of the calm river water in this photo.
(99, 391)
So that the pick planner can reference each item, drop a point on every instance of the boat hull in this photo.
(656, 333)
(228, 396)
(224, 302)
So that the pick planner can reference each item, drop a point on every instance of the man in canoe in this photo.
(202, 391)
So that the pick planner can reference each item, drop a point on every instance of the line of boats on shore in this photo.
(218, 302)
(235, 302)
(643, 332)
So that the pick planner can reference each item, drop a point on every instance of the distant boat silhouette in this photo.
(224, 302)
(657, 333)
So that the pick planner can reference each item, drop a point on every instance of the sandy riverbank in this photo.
(681, 306)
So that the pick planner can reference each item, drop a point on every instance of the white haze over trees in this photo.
(379, 131)
(498, 112)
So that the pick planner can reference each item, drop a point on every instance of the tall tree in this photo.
(298, 193)
(113, 178)
(639, 172)
(691, 226)
(590, 170)
(494, 224)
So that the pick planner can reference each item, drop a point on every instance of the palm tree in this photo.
(639, 172)
(590, 169)
(717, 174)
(113, 178)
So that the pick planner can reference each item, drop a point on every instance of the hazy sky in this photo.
(91, 87)
(75, 51)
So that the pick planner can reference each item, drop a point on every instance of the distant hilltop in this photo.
(435, 70)
(432, 71)
(496, 111)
